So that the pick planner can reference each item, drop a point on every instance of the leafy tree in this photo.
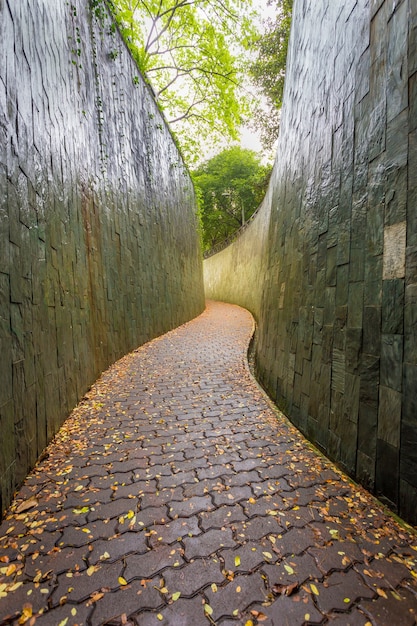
(191, 52)
(230, 187)
(268, 70)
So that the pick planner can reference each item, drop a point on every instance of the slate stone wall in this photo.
(337, 344)
(98, 244)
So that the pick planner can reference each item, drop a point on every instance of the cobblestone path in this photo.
(176, 495)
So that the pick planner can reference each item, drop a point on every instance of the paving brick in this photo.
(288, 611)
(193, 577)
(173, 531)
(190, 507)
(235, 597)
(152, 563)
(208, 543)
(342, 590)
(222, 517)
(128, 599)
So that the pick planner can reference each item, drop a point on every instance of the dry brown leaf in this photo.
(26, 505)
(285, 590)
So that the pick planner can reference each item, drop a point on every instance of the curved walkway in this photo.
(175, 494)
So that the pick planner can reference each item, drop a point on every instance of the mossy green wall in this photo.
(98, 241)
(337, 341)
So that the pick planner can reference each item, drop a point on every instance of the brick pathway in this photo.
(175, 494)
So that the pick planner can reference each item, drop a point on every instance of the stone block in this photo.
(342, 285)
(372, 330)
(389, 416)
(367, 429)
(412, 117)
(408, 500)
(396, 190)
(353, 349)
(348, 448)
(397, 66)
(408, 466)
(369, 373)
(395, 238)
(391, 361)
(387, 472)
(338, 370)
(410, 324)
(351, 398)
(355, 305)
(365, 469)
(393, 306)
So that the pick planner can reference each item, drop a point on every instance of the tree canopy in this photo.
(191, 51)
(268, 69)
(230, 187)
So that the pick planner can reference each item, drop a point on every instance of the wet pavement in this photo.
(176, 494)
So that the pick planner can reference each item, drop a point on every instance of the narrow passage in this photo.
(175, 494)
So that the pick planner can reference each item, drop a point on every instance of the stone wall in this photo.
(337, 342)
(98, 244)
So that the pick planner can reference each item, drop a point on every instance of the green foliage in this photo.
(191, 52)
(229, 187)
(268, 70)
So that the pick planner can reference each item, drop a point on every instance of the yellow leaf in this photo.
(314, 590)
(272, 513)
(14, 587)
(79, 488)
(288, 569)
(176, 595)
(160, 617)
(381, 593)
(237, 561)
(346, 600)
(130, 515)
(104, 556)
(122, 581)
(214, 587)
(252, 501)
(164, 590)
(63, 622)
(236, 612)
(249, 623)
(307, 617)
(267, 555)
(238, 589)
(91, 570)
(208, 609)
(74, 612)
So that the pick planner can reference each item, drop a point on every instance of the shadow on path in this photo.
(175, 494)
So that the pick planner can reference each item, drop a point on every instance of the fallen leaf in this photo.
(214, 588)
(288, 569)
(26, 505)
(176, 595)
(237, 561)
(285, 590)
(122, 581)
(314, 590)
(208, 609)
(381, 593)
(261, 617)
(267, 555)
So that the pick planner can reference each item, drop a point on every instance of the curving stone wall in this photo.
(98, 244)
(337, 341)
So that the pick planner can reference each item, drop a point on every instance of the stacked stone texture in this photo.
(98, 244)
(337, 342)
